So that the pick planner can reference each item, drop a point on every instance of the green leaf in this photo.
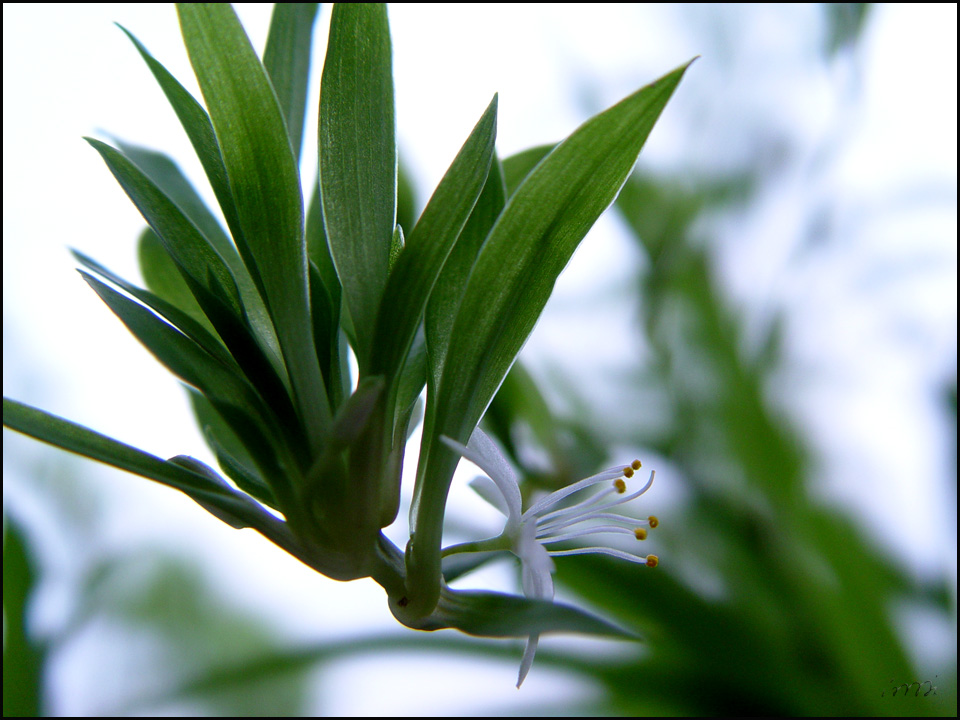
(179, 319)
(420, 262)
(358, 160)
(206, 273)
(446, 295)
(167, 176)
(518, 166)
(325, 294)
(196, 123)
(493, 614)
(163, 278)
(196, 258)
(535, 236)
(230, 452)
(265, 183)
(287, 60)
(408, 209)
(83, 441)
(262, 433)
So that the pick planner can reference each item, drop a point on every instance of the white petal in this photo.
(485, 454)
(536, 566)
(528, 652)
(488, 490)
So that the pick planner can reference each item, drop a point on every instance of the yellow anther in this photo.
(628, 472)
(640, 533)
(636, 465)
(653, 521)
(652, 561)
(620, 485)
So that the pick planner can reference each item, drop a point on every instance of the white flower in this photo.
(528, 533)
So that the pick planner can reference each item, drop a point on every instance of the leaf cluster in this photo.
(258, 315)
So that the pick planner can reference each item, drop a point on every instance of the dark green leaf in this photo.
(83, 441)
(207, 275)
(196, 123)
(446, 295)
(230, 452)
(535, 236)
(287, 60)
(420, 262)
(185, 323)
(265, 182)
(261, 433)
(518, 166)
(164, 279)
(500, 615)
(325, 294)
(358, 160)
(165, 174)
(195, 257)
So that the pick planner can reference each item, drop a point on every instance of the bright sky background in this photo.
(869, 142)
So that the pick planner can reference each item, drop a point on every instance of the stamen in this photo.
(640, 533)
(628, 471)
(579, 509)
(603, 551)
(636, 465)
(555, 497)
(543, 540)
(653, 521)
(620, 485)
(652, 561)
(560, 523)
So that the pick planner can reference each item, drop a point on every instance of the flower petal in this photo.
(528, 652)
(488, 490)
(536, 566)
(485, 454)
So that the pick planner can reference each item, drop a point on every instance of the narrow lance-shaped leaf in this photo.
(231, 455)
(446, 296)
(196, 258)
(167, 176)
(216, 496)
(205, 271)
(265, 184)
(420, 262)
(538, 231)
(179, 319)
(414, 273)
(163, 279)
(287, 60)
(262, 434)
(196, 123)
(325, 295)
(358, 160)
(519, 165)
(493, 614)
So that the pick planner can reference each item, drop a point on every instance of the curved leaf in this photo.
(265, 184)
(287, 60)
(420, 262)
(493, 614)
(358, 160)
(535, 236)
